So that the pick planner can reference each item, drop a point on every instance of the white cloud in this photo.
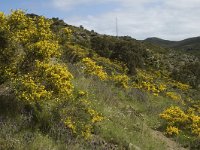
(183, 4)
(169, 19)
(70, 4)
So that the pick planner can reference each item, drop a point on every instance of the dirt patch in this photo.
(171, 145)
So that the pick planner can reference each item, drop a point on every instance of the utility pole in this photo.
(116, 27)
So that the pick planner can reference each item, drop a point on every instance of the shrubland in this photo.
(64, 87)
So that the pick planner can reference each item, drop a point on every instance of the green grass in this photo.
(125, 114)
(129, 117)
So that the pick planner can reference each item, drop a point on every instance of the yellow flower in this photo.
(121, 80)
(172, 130)
(173, 95)
(93, 69)
(69, 124)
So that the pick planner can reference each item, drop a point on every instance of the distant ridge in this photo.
(192, 44)
(160, 42)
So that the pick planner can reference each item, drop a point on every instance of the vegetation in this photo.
(63, 87)
(190, 44)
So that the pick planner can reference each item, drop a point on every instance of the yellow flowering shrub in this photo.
(4, 25)
(113, 66)
(43, 28)
(30, 91)
(91, 68)
(44, 50)
(66, 31)
(194, 118)
(28, 39)
(27, 30)
(194, 105)
(38, 45)
(149, 81)
(64, 35)
(195, 126)
(81, 117)
(162, 87)
(121, 80)
(159, 82)
(48, 80)
(87, 131)
(174, 115)
(17, 20)
(75, 53)
(95, 116)
(179, 85)
(173, 95)
(56, 78)
(82, 93)
(71, 125)
(178, 120)
(172, 130)
(30, 63)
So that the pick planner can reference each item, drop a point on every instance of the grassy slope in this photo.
(130, 116)
(124, 123)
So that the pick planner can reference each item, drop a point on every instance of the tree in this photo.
(130, 53)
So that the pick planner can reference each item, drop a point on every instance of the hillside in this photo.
(190, 45)
(64, 87)
(161, 42)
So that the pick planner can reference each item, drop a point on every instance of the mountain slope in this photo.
(160, 42)
(190, 44)
(64, 87)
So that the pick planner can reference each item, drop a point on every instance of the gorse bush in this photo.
(111, 66)
(93, 69)
(44, 50)
(74, 53)
(36, 77)
(90, 67)
(159, 82)
(121, 80)
(79, 116)
(178, 120)
(29, 39)
(30, 91)
(173, 95)
(55, 77)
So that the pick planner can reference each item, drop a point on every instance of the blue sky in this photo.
(168, 19)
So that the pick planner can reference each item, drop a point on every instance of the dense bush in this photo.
(127, 51)
(189, 73)
(178, 120)
(36, 77)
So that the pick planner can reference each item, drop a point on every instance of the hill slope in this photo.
(161, 42)
(189, 45)
(64, 87)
